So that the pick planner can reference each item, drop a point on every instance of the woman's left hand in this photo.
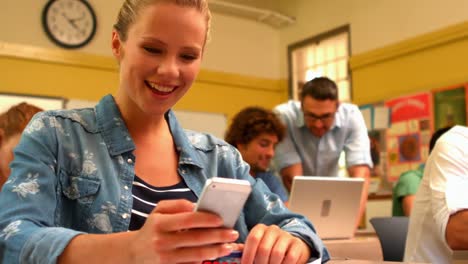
(271, 245)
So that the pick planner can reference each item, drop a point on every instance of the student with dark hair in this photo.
(319, 128)
(12, 124)
(255, 131)
(407, 185)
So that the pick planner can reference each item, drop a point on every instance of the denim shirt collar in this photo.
(187, 152)
(114, 131)
(117, 136)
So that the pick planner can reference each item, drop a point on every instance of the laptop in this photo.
(330, 203)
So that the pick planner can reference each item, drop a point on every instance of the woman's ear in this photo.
(116, 45)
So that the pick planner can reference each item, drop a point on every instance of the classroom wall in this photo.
(431, 61)
(234, 70)
(50, 72)
(374, 24)
(234, 46)
(245, 62)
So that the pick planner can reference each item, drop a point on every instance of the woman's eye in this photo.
(188, 57)
(152, 50)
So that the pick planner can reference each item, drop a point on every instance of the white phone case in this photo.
(225, 197)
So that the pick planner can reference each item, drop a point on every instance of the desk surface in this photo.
(358, 261)
(361, 247)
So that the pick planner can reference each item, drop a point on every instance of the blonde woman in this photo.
(117, 183)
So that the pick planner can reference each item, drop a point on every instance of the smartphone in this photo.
(225, 197)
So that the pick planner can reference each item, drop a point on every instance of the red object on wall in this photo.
(410, 107)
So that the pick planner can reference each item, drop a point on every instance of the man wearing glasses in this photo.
(319, 128)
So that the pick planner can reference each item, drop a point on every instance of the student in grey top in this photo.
(319, 128)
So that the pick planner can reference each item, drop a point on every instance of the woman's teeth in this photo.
(159, 88)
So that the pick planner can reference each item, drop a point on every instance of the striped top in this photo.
(146, 198)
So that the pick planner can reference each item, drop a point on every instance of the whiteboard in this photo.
(213, 123)
(46, 103)
(75, 103)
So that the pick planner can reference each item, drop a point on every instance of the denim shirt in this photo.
(73, 174)
(274, 184)
(319, 156)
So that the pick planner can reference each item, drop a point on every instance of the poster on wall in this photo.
(450, 107)
(409, 134)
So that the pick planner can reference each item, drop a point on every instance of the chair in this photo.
(391, 232)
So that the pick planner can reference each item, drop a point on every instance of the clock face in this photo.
(69, 23)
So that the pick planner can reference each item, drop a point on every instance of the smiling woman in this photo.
(118, 182)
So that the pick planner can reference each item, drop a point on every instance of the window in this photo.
(324, 55)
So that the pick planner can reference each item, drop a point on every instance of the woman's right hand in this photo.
(175, 233)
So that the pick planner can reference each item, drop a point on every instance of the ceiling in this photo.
(264, 11)
(264, 4)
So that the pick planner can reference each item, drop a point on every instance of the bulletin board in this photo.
(213, 123)
(377, 119)
(409, 134)
(450, 106)
(376, 116)
(47, 103)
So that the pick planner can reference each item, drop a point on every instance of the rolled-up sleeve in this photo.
(357, 144)
(286, 153)
(448, 182)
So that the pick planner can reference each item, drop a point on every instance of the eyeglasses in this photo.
(309, 117)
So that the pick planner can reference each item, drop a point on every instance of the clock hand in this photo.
(73, 23)
(77, 18)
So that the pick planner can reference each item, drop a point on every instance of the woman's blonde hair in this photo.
(131, 8)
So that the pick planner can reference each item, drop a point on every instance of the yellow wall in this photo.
(431, 61)
(427, 62)
(73, 75)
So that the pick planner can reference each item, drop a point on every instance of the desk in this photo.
(362, 247)
(358, 261)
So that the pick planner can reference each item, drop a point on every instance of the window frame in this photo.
(313, 41)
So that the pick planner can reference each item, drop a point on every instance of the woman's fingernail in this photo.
(234, 234)
(227, 248)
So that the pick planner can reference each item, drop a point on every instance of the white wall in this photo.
(235, 45)
(243, 46)
(374, 23)
(20, 22)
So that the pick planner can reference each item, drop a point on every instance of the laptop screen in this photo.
(330, 203)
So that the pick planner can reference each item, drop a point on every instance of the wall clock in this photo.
(69, 23)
